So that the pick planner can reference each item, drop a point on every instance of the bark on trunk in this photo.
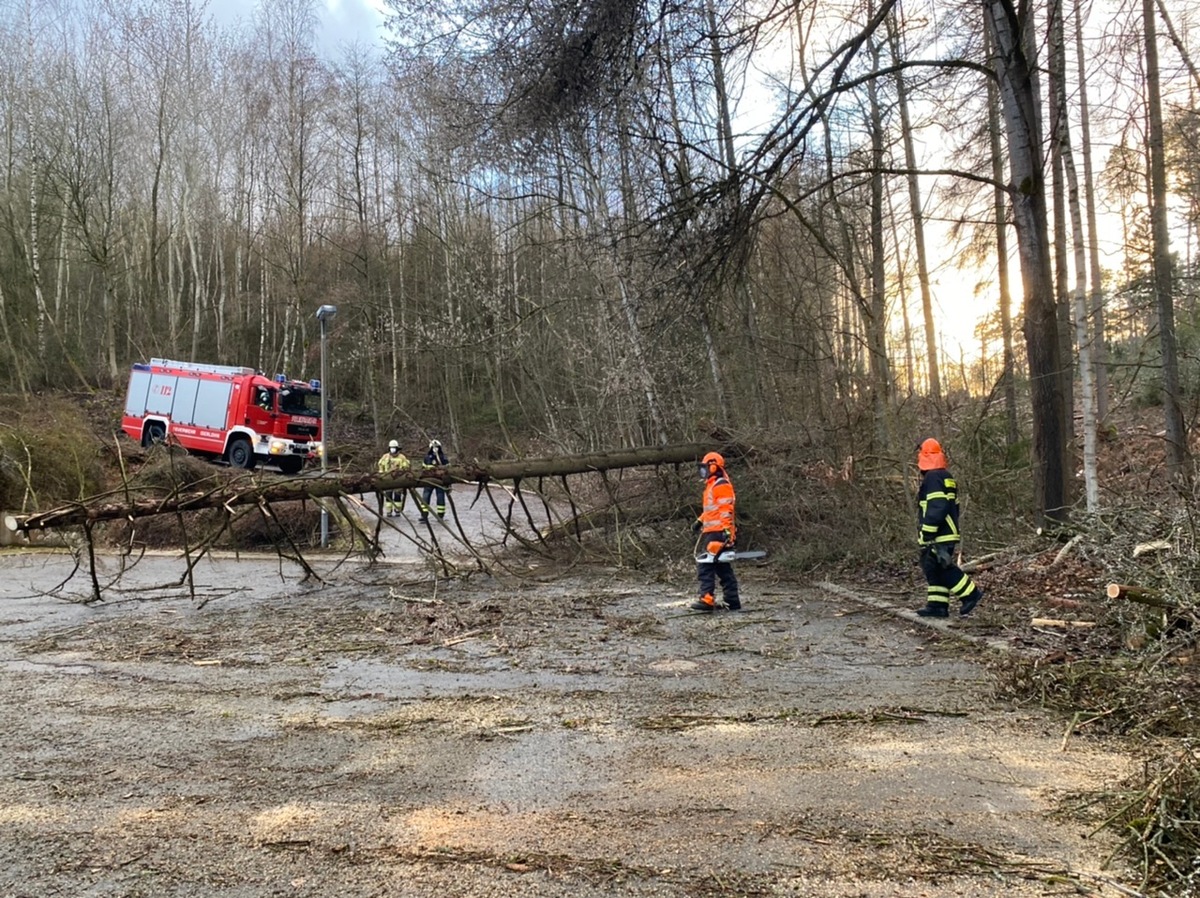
(1019, 101)
(1176, 444)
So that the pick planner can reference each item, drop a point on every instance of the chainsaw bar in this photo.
(729, 555)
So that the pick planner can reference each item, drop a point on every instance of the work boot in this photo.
(704, 603)
(733, 604)
(969, 603)
(934, 609)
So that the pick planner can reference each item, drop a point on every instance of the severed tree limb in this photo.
(983, 561)
(296, 556)
(1062, 553)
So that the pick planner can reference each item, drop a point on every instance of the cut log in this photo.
(1062, 624)
(1143, 595)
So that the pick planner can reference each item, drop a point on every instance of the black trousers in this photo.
(709, 574)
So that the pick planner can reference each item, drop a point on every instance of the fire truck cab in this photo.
(225, 412)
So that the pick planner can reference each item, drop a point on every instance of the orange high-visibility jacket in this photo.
(719, 500)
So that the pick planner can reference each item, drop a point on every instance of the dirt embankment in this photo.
(385, 734)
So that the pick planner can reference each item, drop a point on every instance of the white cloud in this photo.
(346, 21)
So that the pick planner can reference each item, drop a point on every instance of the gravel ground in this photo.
(382, 732)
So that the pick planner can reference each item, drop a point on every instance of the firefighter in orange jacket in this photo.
(938, 536)
(717, 526)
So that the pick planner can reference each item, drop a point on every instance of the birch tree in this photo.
(1065, 153)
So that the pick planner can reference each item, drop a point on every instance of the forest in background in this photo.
(582, 226)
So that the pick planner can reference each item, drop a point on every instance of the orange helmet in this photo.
(711, 463)
(930, 456)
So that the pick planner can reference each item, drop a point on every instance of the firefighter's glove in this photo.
(945, 554)
(696, 526)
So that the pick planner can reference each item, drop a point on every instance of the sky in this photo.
(342, 21)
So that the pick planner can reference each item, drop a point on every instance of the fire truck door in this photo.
(260, 413)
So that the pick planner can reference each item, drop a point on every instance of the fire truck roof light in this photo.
(315, 384)
(281, 378)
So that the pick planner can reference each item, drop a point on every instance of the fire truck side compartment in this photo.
(212, 403)
(185, 400)
(139, 388)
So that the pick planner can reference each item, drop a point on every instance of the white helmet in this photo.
(435, 444)
(394, 445)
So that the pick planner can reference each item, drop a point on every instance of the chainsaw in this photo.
(720, 552)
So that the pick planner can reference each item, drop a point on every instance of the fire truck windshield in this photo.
(299, 401)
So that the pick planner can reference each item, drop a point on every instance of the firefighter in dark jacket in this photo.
(717, 526)
(435, 457)
(938, 536)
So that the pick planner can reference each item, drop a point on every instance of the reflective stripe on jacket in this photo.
(719, 501)
(937, 508)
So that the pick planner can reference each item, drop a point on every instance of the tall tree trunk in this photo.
(1062, 293)
(1097, 341)
(910, 373)
(918, 215)
(754, 362)
(881, 375)
(1175, 435)
(1019, 100)
(35, 179)
(1063, 142)
(1000, 210)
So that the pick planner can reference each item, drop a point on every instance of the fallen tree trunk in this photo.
(249, 490)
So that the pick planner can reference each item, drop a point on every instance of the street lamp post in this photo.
(324, 314)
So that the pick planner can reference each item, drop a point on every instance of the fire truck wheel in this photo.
(241, 455)
(154, 434)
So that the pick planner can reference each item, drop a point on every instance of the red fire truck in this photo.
(225, 412)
